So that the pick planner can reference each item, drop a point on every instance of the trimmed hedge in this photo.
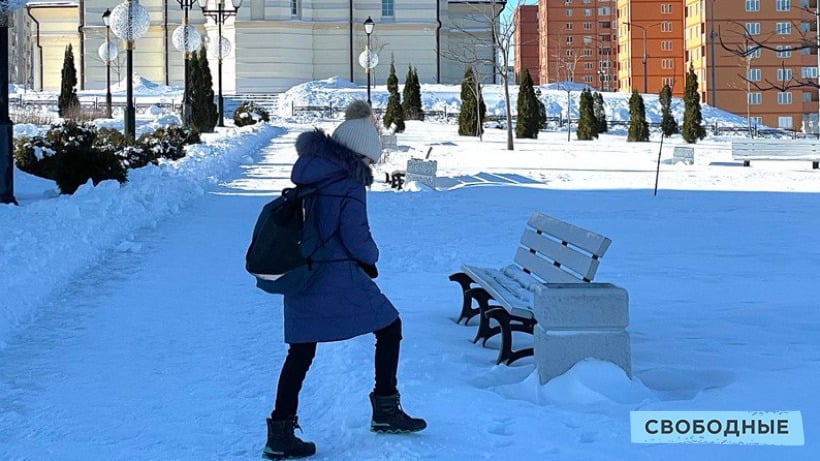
(70, 153)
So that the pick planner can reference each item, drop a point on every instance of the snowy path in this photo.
(167, 352)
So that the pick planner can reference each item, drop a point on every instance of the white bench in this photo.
(422, 171)
(684, 154)
(550, 251)
(776, 150)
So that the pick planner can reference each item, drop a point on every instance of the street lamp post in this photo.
(643, 60)
(130, 22)
(6, 125)
(223, 45)
(186, 40)
(368, 29)
(106, 17)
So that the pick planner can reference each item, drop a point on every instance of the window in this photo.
(567, 2)
(603, 24)
(669, 81)
(569, 12)
(805, 51)
(756, 120)
(569, 26)
(784, 75)
(666, 8)
(587, 12)
(784, 98)
(753, 75)
(604, 11)
(666, 45)
(805, 27)
(753, 28)
(755, 98)
(808, 72)
(752, 5)
(783, 52)
(806, 96)
(587, 79)
(387, 8)
(666, 26)
(570, 53)
(667, 63)
(783, 28)
(783, 5)
(569, 40)
(587, 52)
(587, 26)
(588, 66)
(753, 51)
(784, 122)
(294, 8)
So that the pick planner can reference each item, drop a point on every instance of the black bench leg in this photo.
(815, 165)
(746, 163)
(506, 354)
(484, 332)
(467, 310)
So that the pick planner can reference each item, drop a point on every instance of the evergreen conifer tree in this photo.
(204, 113)
(600, 114)
(415, 98)
(394, 114)
(529, 113)
(692, 118)
(587, 125)
(472, 110)
(668, 124)
(67, 102)
(638, 128)
(411, 96)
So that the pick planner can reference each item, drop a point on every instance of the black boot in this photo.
(283, 444)
(389, 417)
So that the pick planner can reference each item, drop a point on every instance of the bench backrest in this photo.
(555, 251)
(683, 151)
(762, 150)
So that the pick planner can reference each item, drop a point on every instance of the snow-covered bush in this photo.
(168, 142)
(250, 113)
(68, 154)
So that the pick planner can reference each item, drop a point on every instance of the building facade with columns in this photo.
(276, 43)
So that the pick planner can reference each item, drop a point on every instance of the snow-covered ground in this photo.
(130, 330)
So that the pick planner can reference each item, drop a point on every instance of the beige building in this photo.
(276, 44)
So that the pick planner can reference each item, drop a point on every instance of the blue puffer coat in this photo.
(340, 301)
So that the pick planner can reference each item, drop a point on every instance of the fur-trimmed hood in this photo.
(320, 158)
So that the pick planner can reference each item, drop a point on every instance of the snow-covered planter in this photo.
(250, 113)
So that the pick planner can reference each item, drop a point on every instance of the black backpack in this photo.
(277, 255)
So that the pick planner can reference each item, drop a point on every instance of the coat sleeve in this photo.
(354, 228)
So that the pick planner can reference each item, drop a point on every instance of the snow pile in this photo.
(144, 87)
(337, 92)
(51, 241)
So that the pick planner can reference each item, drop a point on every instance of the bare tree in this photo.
(476, 53)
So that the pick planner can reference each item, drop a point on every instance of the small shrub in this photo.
(77, 167)
(250, 113)
(168, 142)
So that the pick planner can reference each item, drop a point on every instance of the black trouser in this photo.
(300, 356)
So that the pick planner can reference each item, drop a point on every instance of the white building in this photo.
(276, 43)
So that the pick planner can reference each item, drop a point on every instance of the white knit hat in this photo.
(357, 132)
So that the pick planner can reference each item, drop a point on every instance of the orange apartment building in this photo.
(779, 102)
(603, 43)
(525, 38)
(651, 45)
(578, 42)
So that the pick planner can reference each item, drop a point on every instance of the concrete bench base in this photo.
(576, 321)
(557, 352)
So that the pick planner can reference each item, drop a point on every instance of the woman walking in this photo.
(340, 301)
